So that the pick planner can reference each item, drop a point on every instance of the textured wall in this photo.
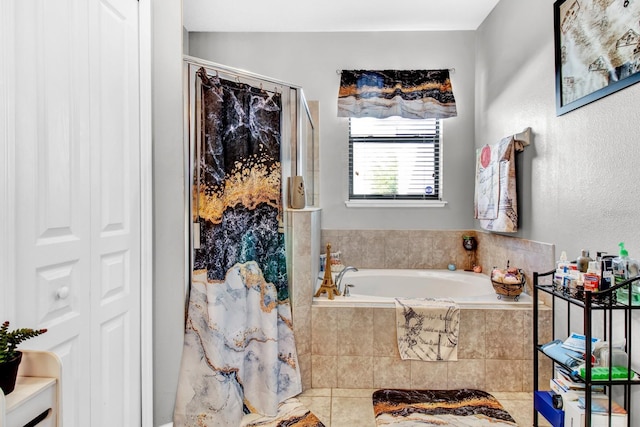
(579, 180)
(311, 60)
(578, 176)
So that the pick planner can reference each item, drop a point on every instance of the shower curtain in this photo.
(239, 353)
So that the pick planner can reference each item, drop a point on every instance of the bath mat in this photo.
(291, 413)
(460, 408)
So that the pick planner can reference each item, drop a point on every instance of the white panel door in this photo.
(71, 151)
(115, 228)
(52, 188)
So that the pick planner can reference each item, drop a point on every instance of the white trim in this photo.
(395, 203)
(146, 214)
(7, 159)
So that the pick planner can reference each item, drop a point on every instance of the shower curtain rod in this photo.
(236, 72)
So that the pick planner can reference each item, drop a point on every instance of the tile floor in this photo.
(340, 407)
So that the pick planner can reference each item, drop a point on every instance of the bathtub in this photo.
(379, 287)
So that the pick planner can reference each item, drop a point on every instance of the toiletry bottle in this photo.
(619, 265)
(606, 272)
(591, 278)
(561, 270)
(583, 261)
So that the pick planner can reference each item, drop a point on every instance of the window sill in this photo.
(395, 203)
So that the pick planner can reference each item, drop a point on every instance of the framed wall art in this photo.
(597, 49)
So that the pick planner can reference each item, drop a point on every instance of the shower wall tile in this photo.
(429, 375)
(389, 372)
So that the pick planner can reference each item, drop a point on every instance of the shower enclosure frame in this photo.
(293, 155)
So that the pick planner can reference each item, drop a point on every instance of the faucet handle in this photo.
(346, 289)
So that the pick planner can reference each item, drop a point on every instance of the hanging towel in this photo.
(427, 328)
(495, 201)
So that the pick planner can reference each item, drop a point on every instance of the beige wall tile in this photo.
(355, 331)
(466, 373)
(304, 361)
(429, 375)
(385, 342)
(502, 375)
(355, 372)
(302, 328)
(471, 342)
(504, 335)
(324, 371)
(389, 372)
(323, 331)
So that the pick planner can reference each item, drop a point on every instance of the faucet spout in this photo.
(341, 275)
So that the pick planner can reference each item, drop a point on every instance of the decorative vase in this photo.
(297, 197)
(9, 373)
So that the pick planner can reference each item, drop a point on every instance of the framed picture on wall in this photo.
(597, 49)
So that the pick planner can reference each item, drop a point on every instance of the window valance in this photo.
(413, 94)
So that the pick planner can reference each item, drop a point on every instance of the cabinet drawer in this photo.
(26, 409)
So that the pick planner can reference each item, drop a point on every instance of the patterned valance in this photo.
(413, 94)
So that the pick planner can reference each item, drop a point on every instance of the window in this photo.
(394, 158)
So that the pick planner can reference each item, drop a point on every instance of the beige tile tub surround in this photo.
(495, 351)
(436, 249)
(356, 347)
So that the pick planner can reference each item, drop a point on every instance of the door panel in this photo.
(76, 187)
(115, 235)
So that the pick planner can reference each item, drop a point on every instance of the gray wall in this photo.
(311, 60)
(580, 186)
(578, 181)
(580, 177)
(169, 210)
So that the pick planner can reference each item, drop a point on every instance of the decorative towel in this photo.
(427, 328)
(495, 202)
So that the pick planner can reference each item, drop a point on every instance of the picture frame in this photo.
(597, 49)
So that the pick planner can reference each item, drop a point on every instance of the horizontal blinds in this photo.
(394, 158)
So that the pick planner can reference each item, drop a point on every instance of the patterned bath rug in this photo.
(291, 413)
(459, 408)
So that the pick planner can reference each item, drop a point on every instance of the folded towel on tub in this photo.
(427, 328)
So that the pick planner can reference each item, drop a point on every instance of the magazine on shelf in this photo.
(576, 342)
(571, 382)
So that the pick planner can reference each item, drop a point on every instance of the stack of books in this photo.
(570, 387)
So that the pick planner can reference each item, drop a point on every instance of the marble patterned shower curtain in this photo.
(239, 353)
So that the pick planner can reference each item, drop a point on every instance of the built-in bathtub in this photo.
(353, 339)
(379, 287)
